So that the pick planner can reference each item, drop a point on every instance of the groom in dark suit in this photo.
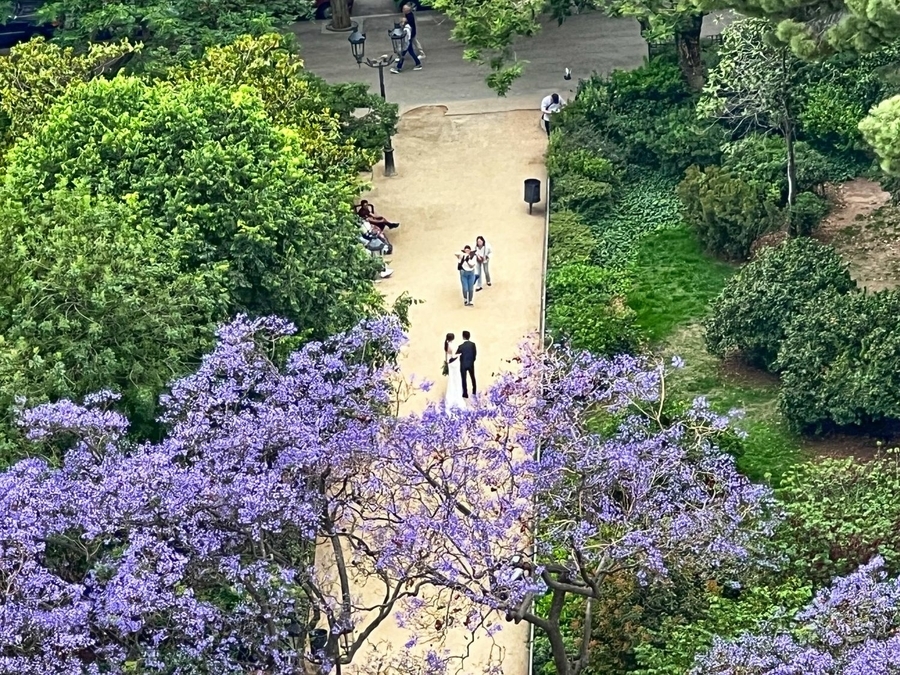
(467, 353)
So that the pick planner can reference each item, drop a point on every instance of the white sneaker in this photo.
(395, 71)
(386, 273)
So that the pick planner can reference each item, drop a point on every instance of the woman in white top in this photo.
(483, 256)
(453, 399)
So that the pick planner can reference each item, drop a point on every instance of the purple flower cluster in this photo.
(852, 628)
(279, 491)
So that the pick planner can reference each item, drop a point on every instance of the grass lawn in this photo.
(673, 285)
(674, 281)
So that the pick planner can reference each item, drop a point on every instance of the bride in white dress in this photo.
(453, 399)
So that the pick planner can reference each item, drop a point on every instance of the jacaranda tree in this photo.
(852, 628)
(198, 549)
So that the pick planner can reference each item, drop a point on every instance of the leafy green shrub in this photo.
(830, 114)
(583, 168)
(570, 240)
(656, 80)
(673, 647)
(727, 212)
(762, 160)
(586, 308)
(752, 313)
(589, 198)
(839, 362)
(839, 514)
(807, 212)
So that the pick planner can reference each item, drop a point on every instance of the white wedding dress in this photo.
(453, 399)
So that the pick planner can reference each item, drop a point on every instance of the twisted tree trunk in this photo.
(687, 43)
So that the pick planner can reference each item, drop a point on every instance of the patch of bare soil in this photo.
(865, 229)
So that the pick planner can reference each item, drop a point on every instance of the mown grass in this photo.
(673, 284)
(673, 281)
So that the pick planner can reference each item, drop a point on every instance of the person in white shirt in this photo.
(483, 258)
(551, 104)
(407, 48)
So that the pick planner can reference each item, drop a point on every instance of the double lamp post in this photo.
(358, 46)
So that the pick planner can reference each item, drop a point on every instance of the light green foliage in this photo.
(727, 212)
(189, 231)
(672, 648)
(752, 313)
(37, 72)
(839, 514)
(172, 30)
(257, 202)
(807, 212)
(94, 297)
(881, 130)
(294, 97)
(674, 281)
(839, 362)
(829, 113)
(570, 239)
(586, 308)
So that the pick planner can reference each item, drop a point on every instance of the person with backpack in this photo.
(410, 17)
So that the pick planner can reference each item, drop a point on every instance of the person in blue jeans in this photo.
(407, 48)
(466, 263)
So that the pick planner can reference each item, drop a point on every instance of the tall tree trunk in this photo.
(788, 130)
(687, 42)
(340, 15)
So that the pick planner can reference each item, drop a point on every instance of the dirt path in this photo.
(866, 232)
(461, 176)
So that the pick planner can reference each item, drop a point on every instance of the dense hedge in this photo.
(751, 314)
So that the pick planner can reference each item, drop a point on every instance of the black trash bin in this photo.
(318, 638)
(532, 192)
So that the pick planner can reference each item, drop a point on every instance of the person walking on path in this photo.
(407, 48)
(483, 258)
(549, 106)
(467, 354)
(466, 264)
(410, 17)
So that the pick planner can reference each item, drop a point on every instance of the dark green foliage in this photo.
(648, 114)
(752, 313)
(583, 168)
(586, 308)
(807, 212)
(839, 362)
(727, 212)
(645, 203)
(673, 646)
(570, 239)
(840, 513)
(674, 281)
(762, 160)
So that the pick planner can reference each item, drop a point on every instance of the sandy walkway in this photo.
(460, 176)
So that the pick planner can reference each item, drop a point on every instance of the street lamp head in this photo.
(397, 40)
(358, 45)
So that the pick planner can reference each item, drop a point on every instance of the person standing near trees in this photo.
(410, 16)
(550, 105)
(466, 263)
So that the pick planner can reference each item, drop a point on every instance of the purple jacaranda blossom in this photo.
(284, 485)
(851, 628)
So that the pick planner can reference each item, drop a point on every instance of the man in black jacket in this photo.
(467, 353)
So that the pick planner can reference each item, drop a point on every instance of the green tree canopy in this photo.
(37, 72)
(168, 27)
(208, 208)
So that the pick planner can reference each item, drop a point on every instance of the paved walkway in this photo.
(461, 176)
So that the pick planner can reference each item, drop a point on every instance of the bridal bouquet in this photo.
(445, 369)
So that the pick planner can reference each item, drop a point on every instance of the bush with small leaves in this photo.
(839, 362)
(570, 240)
(727, 212)
(586, 309)
(752, 312)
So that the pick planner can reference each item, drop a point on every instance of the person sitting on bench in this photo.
(375, 240)
(366, 211)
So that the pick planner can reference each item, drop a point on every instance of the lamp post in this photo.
(358, 47)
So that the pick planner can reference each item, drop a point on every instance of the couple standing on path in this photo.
(474, 266)
(411, 44)
(465, 354)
